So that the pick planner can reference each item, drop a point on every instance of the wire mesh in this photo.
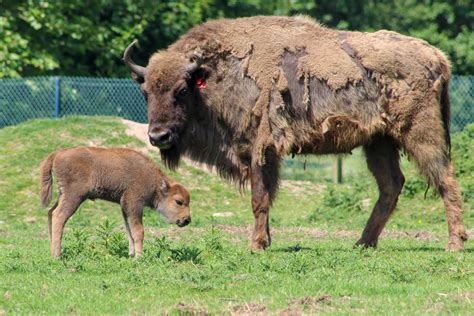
(28, 98)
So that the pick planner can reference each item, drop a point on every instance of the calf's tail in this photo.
(46, 180)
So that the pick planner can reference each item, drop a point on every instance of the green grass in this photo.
(207, 267)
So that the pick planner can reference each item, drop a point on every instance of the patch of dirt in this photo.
(30, 219)
(308, 304)
(7, 296)
(462, 297)
(288, 233)
(65, 135)
(189, 309)
(436, 308)
(302, 187)
(223, 214)
(437, 304)
(291, 311)
(308, 301)
(248, 309)
(140, 131)
(419, 235)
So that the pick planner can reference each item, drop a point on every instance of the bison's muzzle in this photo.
(162, 139)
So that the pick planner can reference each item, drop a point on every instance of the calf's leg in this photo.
(50, 218)
(383, 161)
(131, 243)
(137, 231)
(133, 214)
(66, 207)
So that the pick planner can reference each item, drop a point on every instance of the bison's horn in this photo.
(139, 71)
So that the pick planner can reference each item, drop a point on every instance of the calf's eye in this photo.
(179, 202)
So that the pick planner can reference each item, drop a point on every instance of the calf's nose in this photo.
(184, 221)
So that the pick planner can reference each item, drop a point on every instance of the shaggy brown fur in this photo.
(279, 85)
(118, 175)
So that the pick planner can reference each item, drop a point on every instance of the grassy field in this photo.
(207, 267)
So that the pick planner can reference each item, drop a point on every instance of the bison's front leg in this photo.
(264, 181)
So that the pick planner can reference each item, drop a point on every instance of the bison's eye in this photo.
(179, 202)
(182, 92)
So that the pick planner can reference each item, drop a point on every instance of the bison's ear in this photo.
(138, 78)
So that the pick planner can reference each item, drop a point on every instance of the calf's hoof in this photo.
(455, 244)
(260, 244)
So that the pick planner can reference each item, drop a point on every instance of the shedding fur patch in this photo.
(404, 70)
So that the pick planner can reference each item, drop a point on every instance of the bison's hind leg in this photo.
(383, 161)
(449, 190)
(434, 164)
(425, 143)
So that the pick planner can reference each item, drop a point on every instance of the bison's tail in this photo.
(445, 104)
(46, 180)
(446, 114)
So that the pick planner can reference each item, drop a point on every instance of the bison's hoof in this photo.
(366, 244)
(455, 244)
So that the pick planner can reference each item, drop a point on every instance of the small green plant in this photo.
(401, 275)
(213, 240)
(413, 186)
(299, 264)
(159, 247)
(163, 249)
(76, 245)
(344, 199)
(462, 149)
(186, 253)
(112, 243)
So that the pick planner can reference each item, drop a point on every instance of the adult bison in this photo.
(241, 94)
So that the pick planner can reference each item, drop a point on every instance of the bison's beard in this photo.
(171, 156)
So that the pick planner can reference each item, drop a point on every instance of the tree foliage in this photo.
(87, 38)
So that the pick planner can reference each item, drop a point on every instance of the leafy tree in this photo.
(81, 38)
(87, 38)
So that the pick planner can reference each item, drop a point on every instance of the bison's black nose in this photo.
(160, 139)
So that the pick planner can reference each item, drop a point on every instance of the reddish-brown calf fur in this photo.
(118, 175)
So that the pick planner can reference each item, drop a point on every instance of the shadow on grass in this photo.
(433, 249)
(428, 249)
(295, 248)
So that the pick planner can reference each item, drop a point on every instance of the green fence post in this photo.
(337, 170)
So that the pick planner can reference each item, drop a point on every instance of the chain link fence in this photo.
(29, 98)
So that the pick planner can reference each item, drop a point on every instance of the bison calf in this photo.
(118, 175)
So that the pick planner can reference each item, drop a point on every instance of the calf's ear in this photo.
(164, 186)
